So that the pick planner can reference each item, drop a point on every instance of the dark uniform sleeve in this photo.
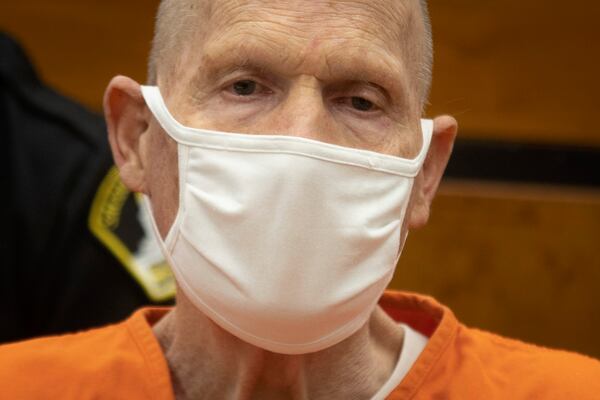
(55, 275)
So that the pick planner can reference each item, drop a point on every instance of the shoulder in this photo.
(533, 370)
(62, 366)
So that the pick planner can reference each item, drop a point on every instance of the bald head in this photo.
(178, 22)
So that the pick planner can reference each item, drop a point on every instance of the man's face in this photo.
(342, 72)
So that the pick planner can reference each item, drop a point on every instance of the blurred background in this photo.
(514, 237)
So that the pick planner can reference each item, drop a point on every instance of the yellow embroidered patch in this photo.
(119, 221)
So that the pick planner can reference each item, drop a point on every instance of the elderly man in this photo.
(281, 154)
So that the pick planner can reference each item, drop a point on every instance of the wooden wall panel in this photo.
(521, 261)
(78, 45)
(525, 70)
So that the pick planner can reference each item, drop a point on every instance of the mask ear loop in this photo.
(155, 104)
(427, 134)
(166, 245)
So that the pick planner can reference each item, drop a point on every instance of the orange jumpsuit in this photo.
(125, 361)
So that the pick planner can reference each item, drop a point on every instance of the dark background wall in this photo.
(516, 256)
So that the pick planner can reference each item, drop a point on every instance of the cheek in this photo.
(162, 179)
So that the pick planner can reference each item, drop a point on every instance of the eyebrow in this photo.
(377, 70)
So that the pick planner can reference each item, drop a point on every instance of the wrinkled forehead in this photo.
(388, 23)
(329, 36)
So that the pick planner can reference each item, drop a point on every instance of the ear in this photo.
(428, 180)
(126, 119)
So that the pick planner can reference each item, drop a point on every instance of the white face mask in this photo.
(285, 242)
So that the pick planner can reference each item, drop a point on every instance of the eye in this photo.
(362, 104)
(244, 87)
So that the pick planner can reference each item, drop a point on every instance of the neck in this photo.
(207, 362)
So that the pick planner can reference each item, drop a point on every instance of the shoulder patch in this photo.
(121, 224)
